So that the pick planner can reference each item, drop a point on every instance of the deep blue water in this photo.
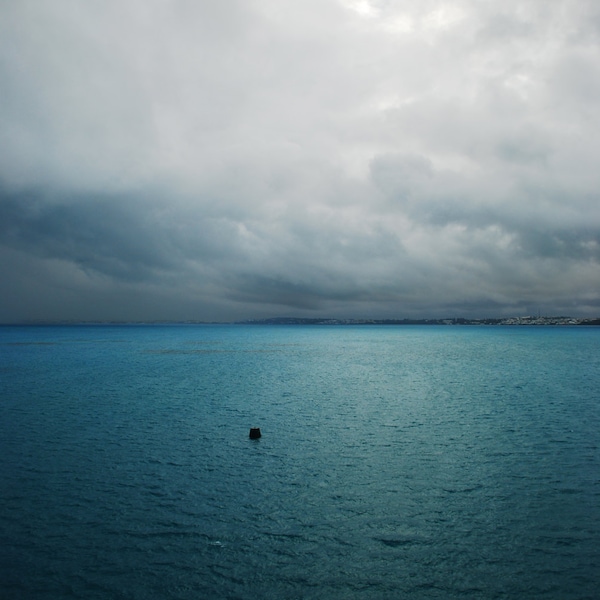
(396, 462)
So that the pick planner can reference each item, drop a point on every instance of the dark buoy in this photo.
(254, 433)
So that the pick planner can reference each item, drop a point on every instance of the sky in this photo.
(243, 159)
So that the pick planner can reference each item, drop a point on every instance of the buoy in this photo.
(254, 433)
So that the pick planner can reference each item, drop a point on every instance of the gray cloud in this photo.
(196, 160)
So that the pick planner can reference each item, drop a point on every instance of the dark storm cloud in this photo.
(184, 159)
(106, 236)
(120, 237)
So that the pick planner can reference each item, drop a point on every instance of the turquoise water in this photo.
(395, 462)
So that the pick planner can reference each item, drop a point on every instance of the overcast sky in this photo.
(194, 159)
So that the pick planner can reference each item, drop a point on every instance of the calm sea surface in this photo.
(396, 462)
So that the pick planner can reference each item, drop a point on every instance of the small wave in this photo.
(396, 542)
(288, 536)
(186, 352)
(463, 490)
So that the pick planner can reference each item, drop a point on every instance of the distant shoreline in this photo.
(515, 321)
(453, 321)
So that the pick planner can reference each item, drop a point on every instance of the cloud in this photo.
(200, 160)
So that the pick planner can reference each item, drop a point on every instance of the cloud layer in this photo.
(184, 159)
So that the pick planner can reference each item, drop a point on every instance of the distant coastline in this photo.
(523, 321)
(455, 321)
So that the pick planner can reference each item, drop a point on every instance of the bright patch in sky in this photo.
(362, 7)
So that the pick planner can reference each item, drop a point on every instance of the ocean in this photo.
(395, 462)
